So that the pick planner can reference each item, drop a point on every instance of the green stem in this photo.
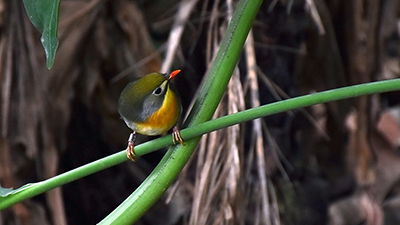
(203, 128)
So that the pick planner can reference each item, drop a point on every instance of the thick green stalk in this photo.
(209, 96)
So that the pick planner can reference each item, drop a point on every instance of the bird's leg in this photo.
(176, 136)
(130, 150)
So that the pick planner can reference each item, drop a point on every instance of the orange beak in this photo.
(173, 74)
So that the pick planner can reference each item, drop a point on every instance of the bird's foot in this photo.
(130, 150)
(176, 136)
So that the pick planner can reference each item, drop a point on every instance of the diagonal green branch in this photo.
(206, 102)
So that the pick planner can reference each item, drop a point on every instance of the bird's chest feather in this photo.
(162, 119)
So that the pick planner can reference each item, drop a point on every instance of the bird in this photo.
(151, 106)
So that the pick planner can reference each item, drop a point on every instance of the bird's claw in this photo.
(176, 136)
(130, 150)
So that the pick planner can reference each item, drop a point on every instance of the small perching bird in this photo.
(150, 106)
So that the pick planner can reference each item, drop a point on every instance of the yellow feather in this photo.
(163, 119)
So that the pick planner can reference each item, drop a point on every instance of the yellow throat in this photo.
(163, 119)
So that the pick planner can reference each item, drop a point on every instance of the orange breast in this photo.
(163, 119)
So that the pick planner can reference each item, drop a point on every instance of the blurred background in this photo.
(337, 163)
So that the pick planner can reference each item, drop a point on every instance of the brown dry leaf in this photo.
(131, 21)
(361, 158)
(388, 126)
(366, 203)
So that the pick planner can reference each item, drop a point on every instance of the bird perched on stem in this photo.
(150, 106)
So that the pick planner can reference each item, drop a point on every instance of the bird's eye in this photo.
(157, 91)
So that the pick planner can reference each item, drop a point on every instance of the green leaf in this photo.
(44, 16)
(4, 192)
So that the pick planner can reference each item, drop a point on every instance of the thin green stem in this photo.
(203, 128)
